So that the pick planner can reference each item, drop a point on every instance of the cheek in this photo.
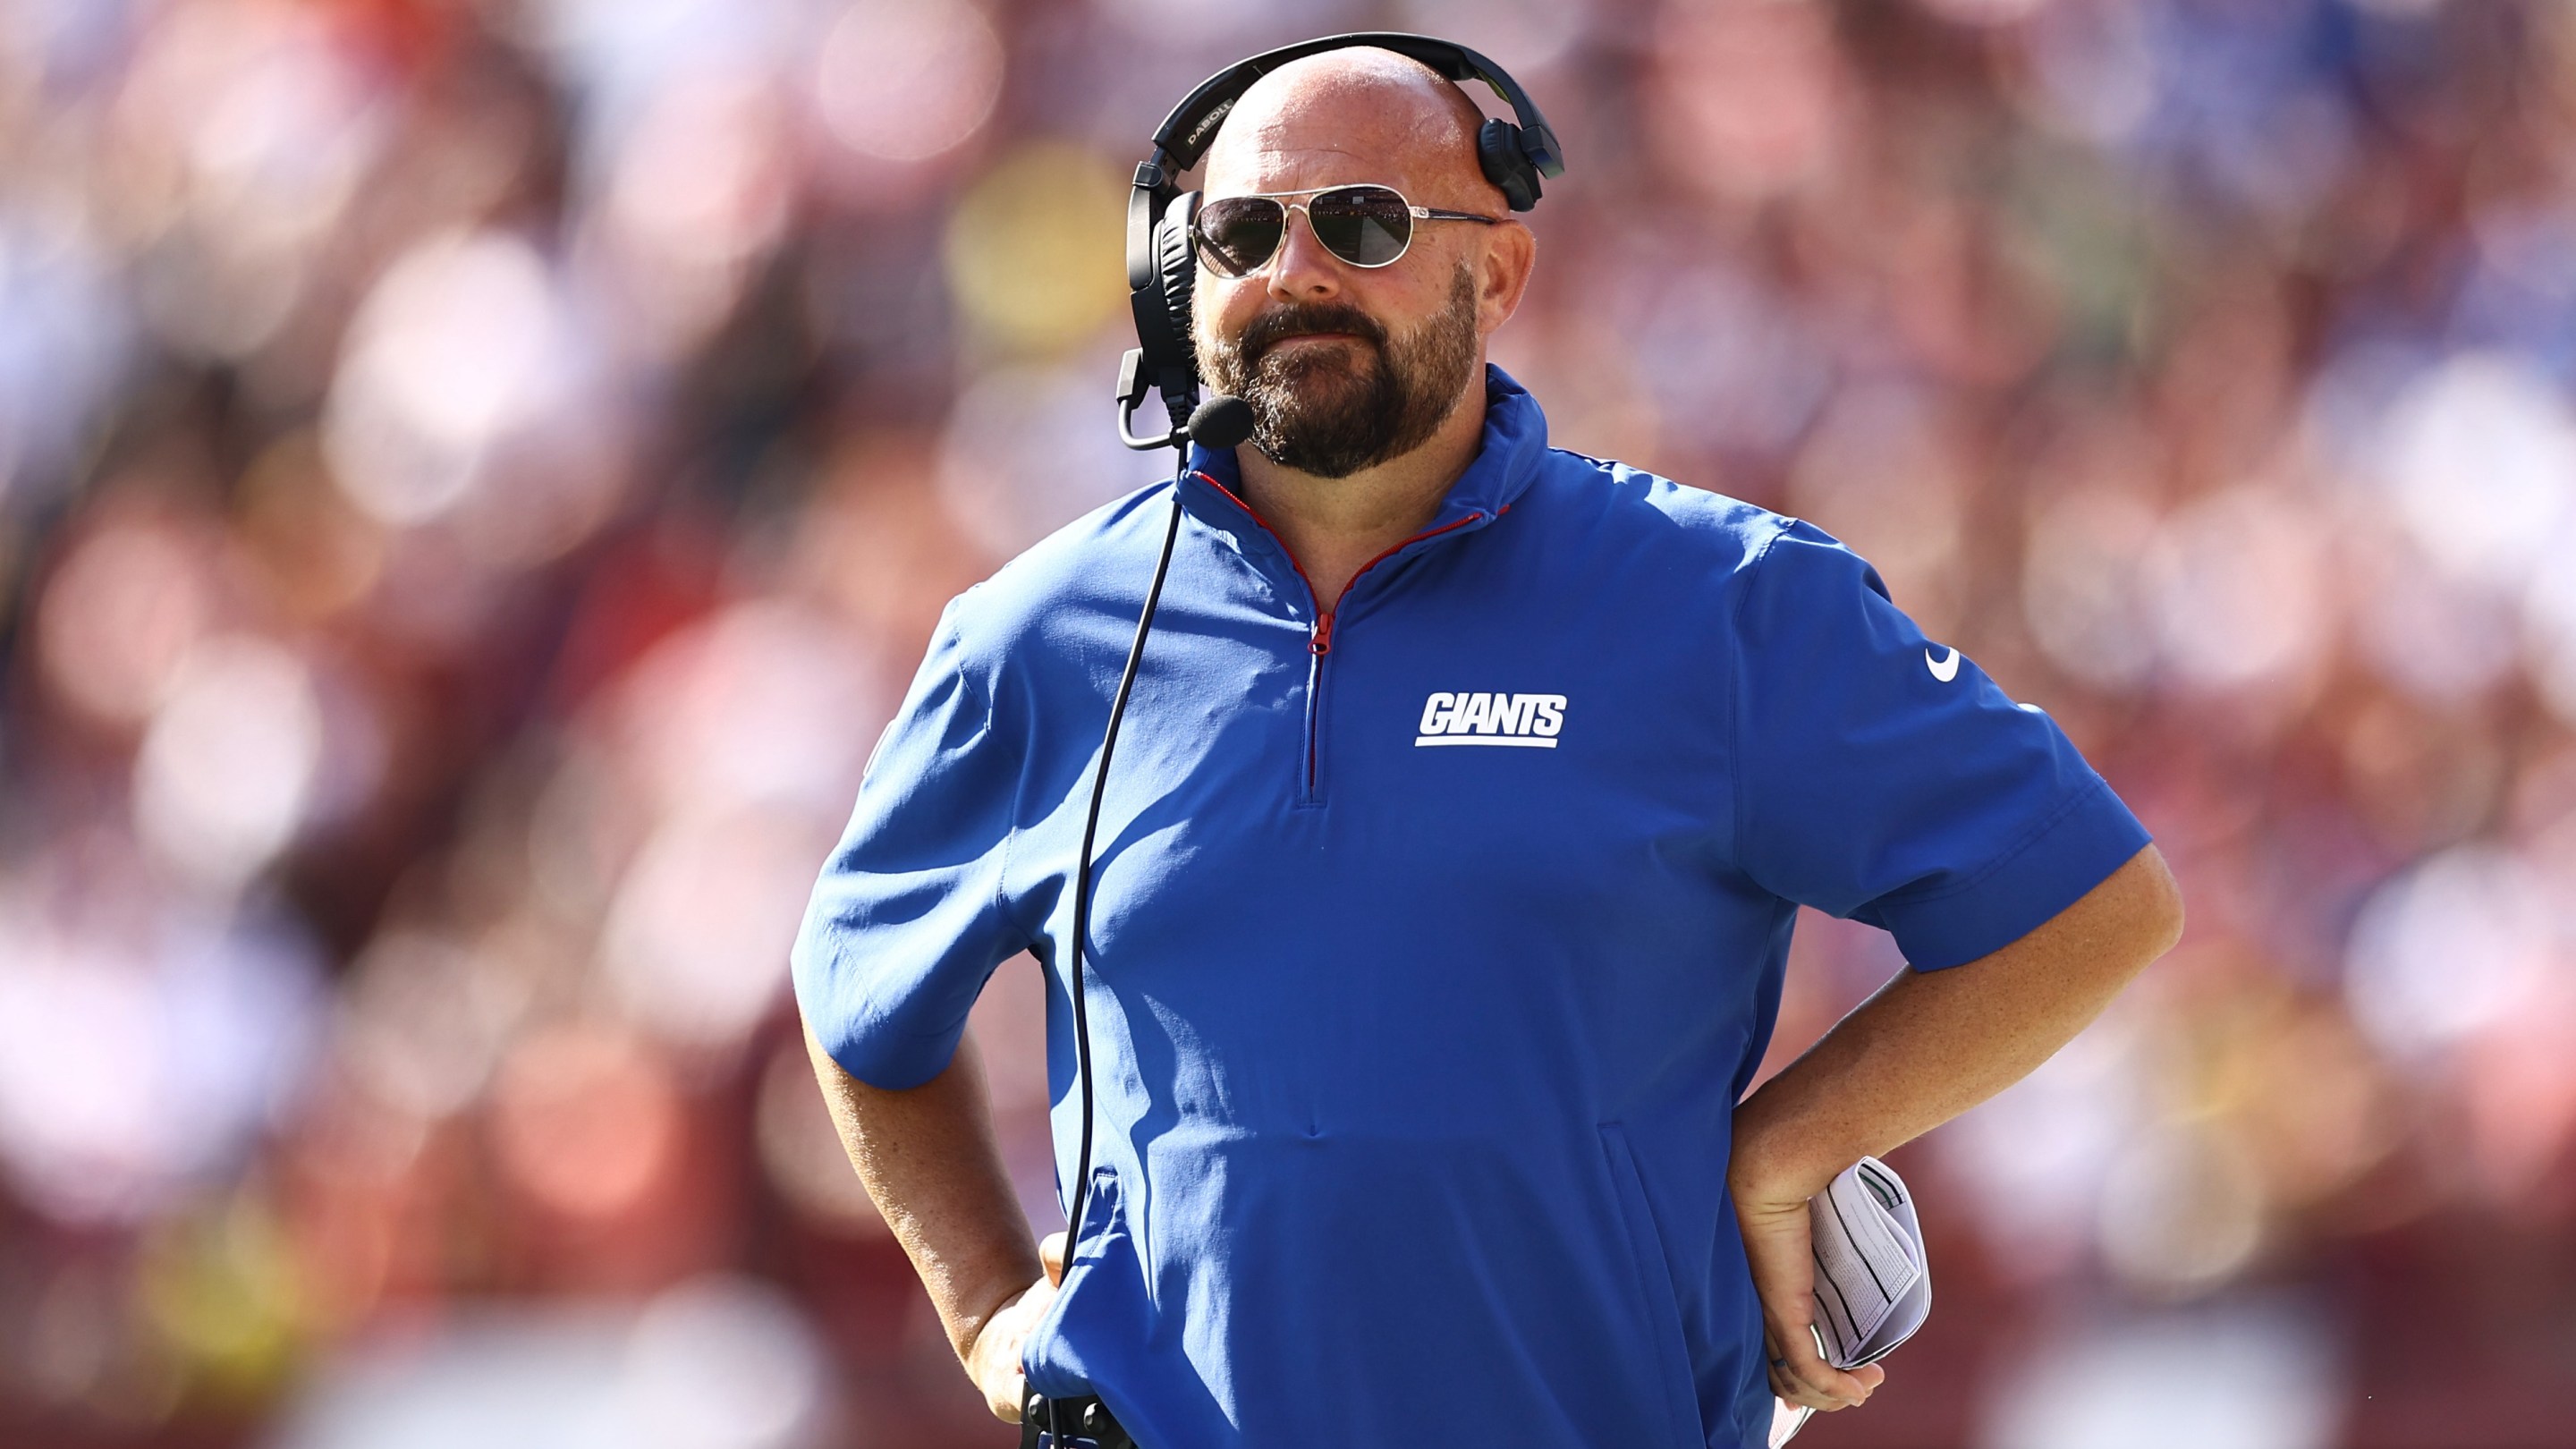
(1220, 307)
(1402, 304)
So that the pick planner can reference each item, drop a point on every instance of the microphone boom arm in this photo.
(1134, 386)
(1127, 406)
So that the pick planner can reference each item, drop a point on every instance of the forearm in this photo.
(1931, 1044)
(929, 1160)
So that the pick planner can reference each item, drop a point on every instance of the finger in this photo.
(1801, 1375)
(1791, 1389)
(1779, 1252)
(1822, 1386)
(1807, 1396)
(1785, 1384)
(1051, 1253)
(993, 1357)
(1007, 1407)
(1797, 1364)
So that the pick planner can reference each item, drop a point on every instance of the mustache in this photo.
(1306, 319)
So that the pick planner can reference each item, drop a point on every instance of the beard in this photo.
(1332, 410)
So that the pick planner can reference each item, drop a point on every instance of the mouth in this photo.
(1296, 350)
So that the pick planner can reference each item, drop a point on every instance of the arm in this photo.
(929, 1161)
(1928, 1046)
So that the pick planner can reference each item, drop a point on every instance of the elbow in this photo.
(2160, 913)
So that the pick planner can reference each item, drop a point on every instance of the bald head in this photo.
(1359, 114)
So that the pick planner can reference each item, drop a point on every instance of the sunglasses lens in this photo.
(1367, 226)
(1238, 233)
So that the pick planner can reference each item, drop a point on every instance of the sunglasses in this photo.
(1366, 226)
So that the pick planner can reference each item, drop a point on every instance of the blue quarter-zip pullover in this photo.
(1435, 934)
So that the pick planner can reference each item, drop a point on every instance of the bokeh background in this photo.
(474, 478)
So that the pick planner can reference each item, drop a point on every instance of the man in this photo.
(1447, 872)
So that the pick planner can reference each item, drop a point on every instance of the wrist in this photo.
(971, 1311)
(1780, 1160)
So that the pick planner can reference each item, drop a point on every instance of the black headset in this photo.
(1161, 261)
(1162, 250)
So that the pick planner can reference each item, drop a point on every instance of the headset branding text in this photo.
(1530, 721)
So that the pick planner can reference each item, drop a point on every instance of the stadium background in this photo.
(474, 477)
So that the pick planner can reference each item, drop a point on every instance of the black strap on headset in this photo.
(1082, 872)
(1184, 135)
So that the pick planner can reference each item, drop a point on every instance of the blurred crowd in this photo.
(476, 474)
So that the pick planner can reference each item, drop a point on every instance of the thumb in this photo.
(1051, 1253)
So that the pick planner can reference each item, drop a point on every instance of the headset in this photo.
(1162, 264)
(1162, 248)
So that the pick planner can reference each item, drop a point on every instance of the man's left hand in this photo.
(1784, 1277)
(1926, 1047)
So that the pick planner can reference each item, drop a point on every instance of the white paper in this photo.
(1873, 1282)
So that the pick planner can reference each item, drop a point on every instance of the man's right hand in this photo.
(993, 1355)
(931, 1166)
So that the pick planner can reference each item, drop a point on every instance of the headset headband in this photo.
(1184, 135)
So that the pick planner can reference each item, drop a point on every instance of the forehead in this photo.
(1331, 135)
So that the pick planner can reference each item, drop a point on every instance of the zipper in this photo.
(1319, 643)
(1319, 635)
(1322, 642)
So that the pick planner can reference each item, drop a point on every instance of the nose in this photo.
(1303, 271)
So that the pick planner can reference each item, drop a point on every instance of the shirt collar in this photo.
(1515, 440)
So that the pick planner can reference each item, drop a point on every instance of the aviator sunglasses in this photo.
(1366, 226)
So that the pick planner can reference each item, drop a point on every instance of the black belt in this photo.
(1082, 1423)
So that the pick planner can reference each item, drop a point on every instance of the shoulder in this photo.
(1633, 519)
(1058, 580)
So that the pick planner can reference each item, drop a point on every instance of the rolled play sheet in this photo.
(1873, 1281)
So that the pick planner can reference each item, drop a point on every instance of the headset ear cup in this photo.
(1498, 151)
(1176, 267)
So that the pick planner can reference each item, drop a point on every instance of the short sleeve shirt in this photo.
(1429, 949)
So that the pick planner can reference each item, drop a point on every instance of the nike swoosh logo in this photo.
(1943, 670)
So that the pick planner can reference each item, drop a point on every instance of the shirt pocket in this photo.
(1100, 1306)
(1663, 1318)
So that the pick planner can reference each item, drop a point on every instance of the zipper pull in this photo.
(1321, 640)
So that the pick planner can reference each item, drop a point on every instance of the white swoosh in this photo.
(1943, 670)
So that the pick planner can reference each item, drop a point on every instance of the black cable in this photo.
(1082, 868)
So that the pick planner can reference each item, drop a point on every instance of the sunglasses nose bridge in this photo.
(1302, 263)
(1294, 212)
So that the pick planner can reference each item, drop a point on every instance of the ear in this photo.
(1502, 274)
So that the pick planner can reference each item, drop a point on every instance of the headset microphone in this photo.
(1221, 422)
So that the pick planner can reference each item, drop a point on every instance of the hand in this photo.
(1784, 1278)
(992, 1356)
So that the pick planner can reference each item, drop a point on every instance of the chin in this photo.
(1319, 376)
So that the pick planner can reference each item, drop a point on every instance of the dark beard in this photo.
(1331, 412)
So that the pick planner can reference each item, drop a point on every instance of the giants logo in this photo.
(1529, 721)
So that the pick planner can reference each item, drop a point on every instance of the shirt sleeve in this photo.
(1885, 779)
(908, 919)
